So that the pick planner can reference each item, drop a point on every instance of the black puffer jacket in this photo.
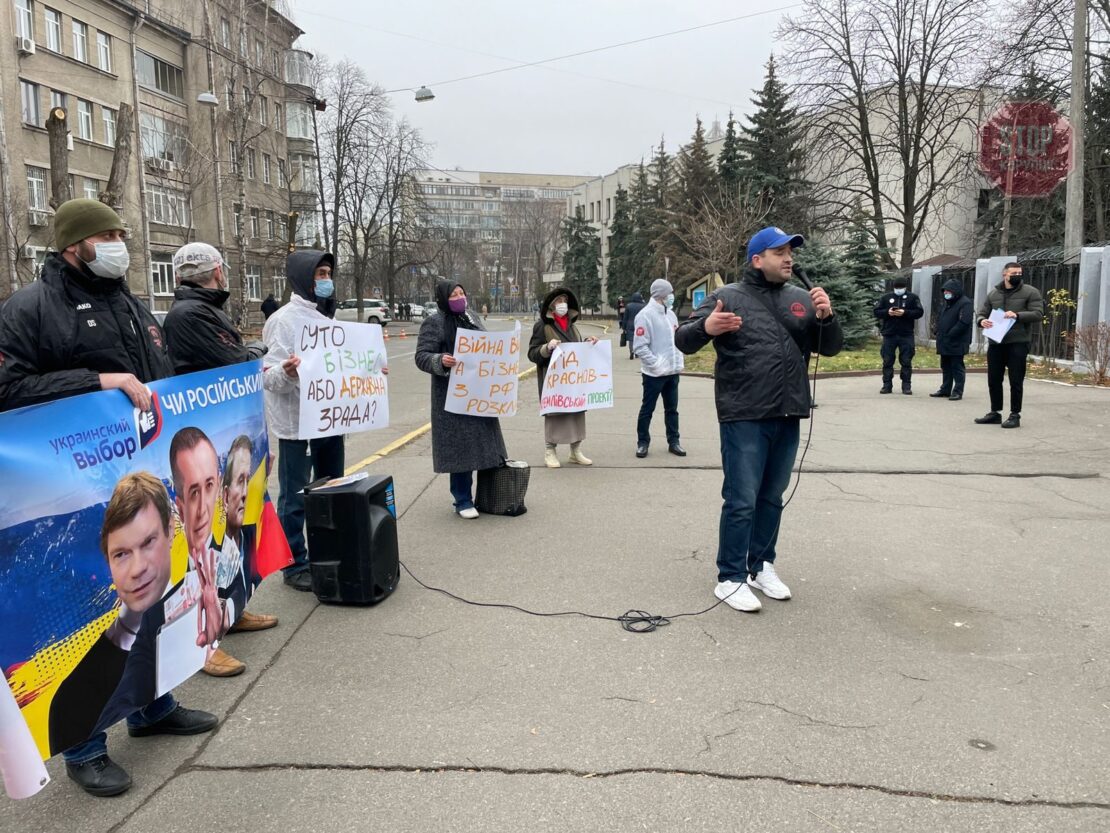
(898, 325)
(199, 334)
(761, 368)
(635, 304)
(58, 334)
(954, 323)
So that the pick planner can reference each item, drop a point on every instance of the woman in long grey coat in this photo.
(461, 444)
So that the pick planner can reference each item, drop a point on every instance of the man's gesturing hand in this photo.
(720, 322)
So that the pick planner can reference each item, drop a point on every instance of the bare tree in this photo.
(532, 237)
(892, 95)
(403, 153)
(714, 234)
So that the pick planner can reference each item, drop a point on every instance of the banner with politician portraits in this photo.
(129, 543)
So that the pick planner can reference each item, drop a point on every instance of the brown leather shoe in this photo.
(253, 622)
(223, 664)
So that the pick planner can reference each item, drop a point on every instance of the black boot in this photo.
(956, 396)
(101, 777)
(886, 389)
(992, 418)
(1014, 421)
(940, 393)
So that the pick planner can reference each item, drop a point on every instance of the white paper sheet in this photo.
(1001, 323)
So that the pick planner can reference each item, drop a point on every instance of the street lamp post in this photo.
(497, 283)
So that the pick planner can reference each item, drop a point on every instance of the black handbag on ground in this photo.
(501, 490)
(624, 339)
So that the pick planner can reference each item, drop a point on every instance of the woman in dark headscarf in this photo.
(461, 444)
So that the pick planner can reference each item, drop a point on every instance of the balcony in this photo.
(298, 68)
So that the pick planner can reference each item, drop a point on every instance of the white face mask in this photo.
(111, 260)
(900, 292)
(561, 310)
(669, 301)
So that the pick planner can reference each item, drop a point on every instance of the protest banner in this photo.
(485, 381)
(129, 543)
(343, 383)
(579, 378)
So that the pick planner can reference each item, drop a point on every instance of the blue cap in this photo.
(771, 238)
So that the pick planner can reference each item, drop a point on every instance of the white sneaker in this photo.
(470, 513)
(768, 581)
(550, 460)
(738, 596)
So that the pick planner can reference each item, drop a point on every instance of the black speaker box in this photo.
(352, 539)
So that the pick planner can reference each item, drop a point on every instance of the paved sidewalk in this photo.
(943, 665)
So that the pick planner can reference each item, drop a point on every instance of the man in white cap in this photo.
(200, 336)
(661, 364)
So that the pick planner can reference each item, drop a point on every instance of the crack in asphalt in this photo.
(810, 720)
(439, 769)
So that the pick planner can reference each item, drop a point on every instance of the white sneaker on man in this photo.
(768, 581)
(470, 513)
(738, 596)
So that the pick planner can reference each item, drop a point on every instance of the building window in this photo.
(260, 53)
(29, 102)
(80, 41)
(84, 120)
(233, 156)
(104, 51)
(254, 283)
(237, 219)
(161, 272)
(229, 95)
(90, 187)
(250, 163)
(303, 173)
(24, 19)
(269, 225)
(307, 228)
(242, 40)
(281, 173)
(279, 124)
(162, 138)
(36, 188)
(225, 32)
(53, 30)
(263, 110)
(158, 75)
(168, 206)
(109, 118)
(256, 230)
(298, 121)
(58, 99)
(266, 168)
(276, 62)
(278, 280)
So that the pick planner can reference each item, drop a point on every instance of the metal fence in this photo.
(1052, 337)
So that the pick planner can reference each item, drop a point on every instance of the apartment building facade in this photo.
(229, 169)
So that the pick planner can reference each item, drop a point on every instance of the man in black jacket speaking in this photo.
(764, 331)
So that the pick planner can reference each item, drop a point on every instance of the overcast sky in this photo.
(584, 115)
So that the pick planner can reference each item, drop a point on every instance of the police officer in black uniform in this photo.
(896, 311)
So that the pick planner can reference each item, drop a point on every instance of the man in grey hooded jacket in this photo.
(661, 366)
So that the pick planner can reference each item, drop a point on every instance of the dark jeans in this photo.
(461, 489)
(757, 456)
(905, 347)
(97, 745)
(1003, 358)
(653, 387)
(295, 471)
(953, 374)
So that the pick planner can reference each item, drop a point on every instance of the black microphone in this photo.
(801, 276)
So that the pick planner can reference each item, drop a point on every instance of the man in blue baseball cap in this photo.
(764, 331)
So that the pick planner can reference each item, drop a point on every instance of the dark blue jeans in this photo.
(653, 387)
(462, 483)
(295, 471)
(757, 456)
(97, 745)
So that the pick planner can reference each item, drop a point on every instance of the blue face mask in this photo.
(948, 296)
(324, 288)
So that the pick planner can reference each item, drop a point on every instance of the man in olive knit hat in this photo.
(75, 330)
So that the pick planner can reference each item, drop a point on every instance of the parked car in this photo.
(374, 311)
(417, 312)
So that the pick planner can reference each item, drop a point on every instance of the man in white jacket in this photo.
(661, 364)
(313, 300)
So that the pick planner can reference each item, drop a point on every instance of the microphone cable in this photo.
(641, 621)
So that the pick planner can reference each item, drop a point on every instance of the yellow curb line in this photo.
(410, 437)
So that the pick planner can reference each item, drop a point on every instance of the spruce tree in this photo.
(851, 306)
(697, 181)
(623, 276)
(580, 260)
(772, 164)
(660, 214)
(729, 160)
(1098, 154)
(641, 199)
(861, 256)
